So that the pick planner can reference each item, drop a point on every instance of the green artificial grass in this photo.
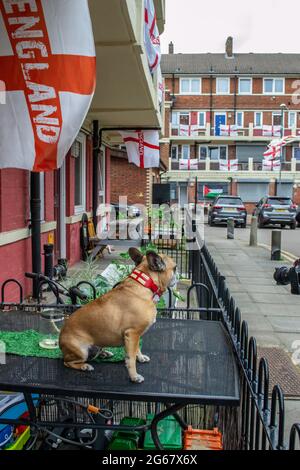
(26, 343)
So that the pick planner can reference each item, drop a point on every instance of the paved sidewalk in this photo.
(273, 314)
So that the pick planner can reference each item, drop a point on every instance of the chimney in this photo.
(171, 48)
(229, 47)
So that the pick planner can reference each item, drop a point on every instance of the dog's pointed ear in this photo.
(155, 262)
(136, 255)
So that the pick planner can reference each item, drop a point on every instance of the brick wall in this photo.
(127, 180)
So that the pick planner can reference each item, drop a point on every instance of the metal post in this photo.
(278, 188)
(276, 245)
(48, 255)
(196, 194)
(230, 229)
(253, 231)
(35, 208)
(96, 150)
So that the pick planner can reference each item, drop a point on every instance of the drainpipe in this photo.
(211, 102)
(35, 209)
(96, 150)
(235, 98)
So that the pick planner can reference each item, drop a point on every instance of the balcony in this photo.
(203, 134)
(212, 166)
(126, 93)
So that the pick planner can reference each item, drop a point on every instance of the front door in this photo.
(220, 119)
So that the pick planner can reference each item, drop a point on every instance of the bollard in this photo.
(48, 254)
(276, 245)
(230, 229)
(253, 231)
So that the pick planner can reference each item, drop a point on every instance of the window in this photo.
(276, 119)
(180, 119)
(273, 86)
(190, 86)
(202, 120)
(223, 86)
(214, 153)
(292, 120)
(258, 120)
(202, 152)
(174, 152)
(296, 153)
(239, 119)
(180, 152)
(79, 153)
(245, 86)
(185, 152)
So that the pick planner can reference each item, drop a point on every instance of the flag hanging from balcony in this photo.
(151, 36)
(188, 164)
(142, 148)
(229, 130)
(189, 130)
(271, 165)
(48, 66)
(274, 148)
(271, 131)
(229, 165)
(160, 86)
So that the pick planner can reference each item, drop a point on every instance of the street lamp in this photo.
(283, 108)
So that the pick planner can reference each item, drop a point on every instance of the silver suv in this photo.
(227, 207)
(276, 210)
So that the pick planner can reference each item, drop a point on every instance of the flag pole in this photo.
(35, 207)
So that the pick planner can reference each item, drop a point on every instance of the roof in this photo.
(281, 64)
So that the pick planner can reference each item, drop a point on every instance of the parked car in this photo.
(298, 216)
(130, 211)
(225, 207)
(276, 210)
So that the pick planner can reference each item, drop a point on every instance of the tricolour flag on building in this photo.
(229, 165)
(48, 65)
(151, 36)
(142, 148)
(211, 193)
(190, 164)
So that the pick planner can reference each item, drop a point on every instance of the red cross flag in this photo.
(229, 130)
(274, 148)
(271, 165)
(48, 65)
(189, 130)
(229, 165)
(142, 148)
(271, 131)
(152, 39)
(188, 164)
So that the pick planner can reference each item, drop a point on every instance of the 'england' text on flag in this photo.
(48, 64)
(142, 148)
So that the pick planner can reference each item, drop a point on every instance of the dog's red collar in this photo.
(147, 281)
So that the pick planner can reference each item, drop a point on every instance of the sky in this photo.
(256, 25)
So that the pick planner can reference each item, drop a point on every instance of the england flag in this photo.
(151, 34)
(48, 66)
(142, 148)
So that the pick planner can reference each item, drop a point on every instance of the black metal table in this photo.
(192, 362)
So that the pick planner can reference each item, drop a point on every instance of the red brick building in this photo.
(249, 91)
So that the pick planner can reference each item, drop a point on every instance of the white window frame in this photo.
(82, 207)
(217, 83)
(294, 151)
(236, 120)
(262, 119)
(189, 151)
(294, 113)
(251, 86)
(207, 152)
(273, 92)
(204, 114)
(190, 92)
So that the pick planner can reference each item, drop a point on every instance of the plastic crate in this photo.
(195, 439)
(169, 433)
(20, 441)
(127, 440)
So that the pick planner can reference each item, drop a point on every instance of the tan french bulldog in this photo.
(119, 317)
